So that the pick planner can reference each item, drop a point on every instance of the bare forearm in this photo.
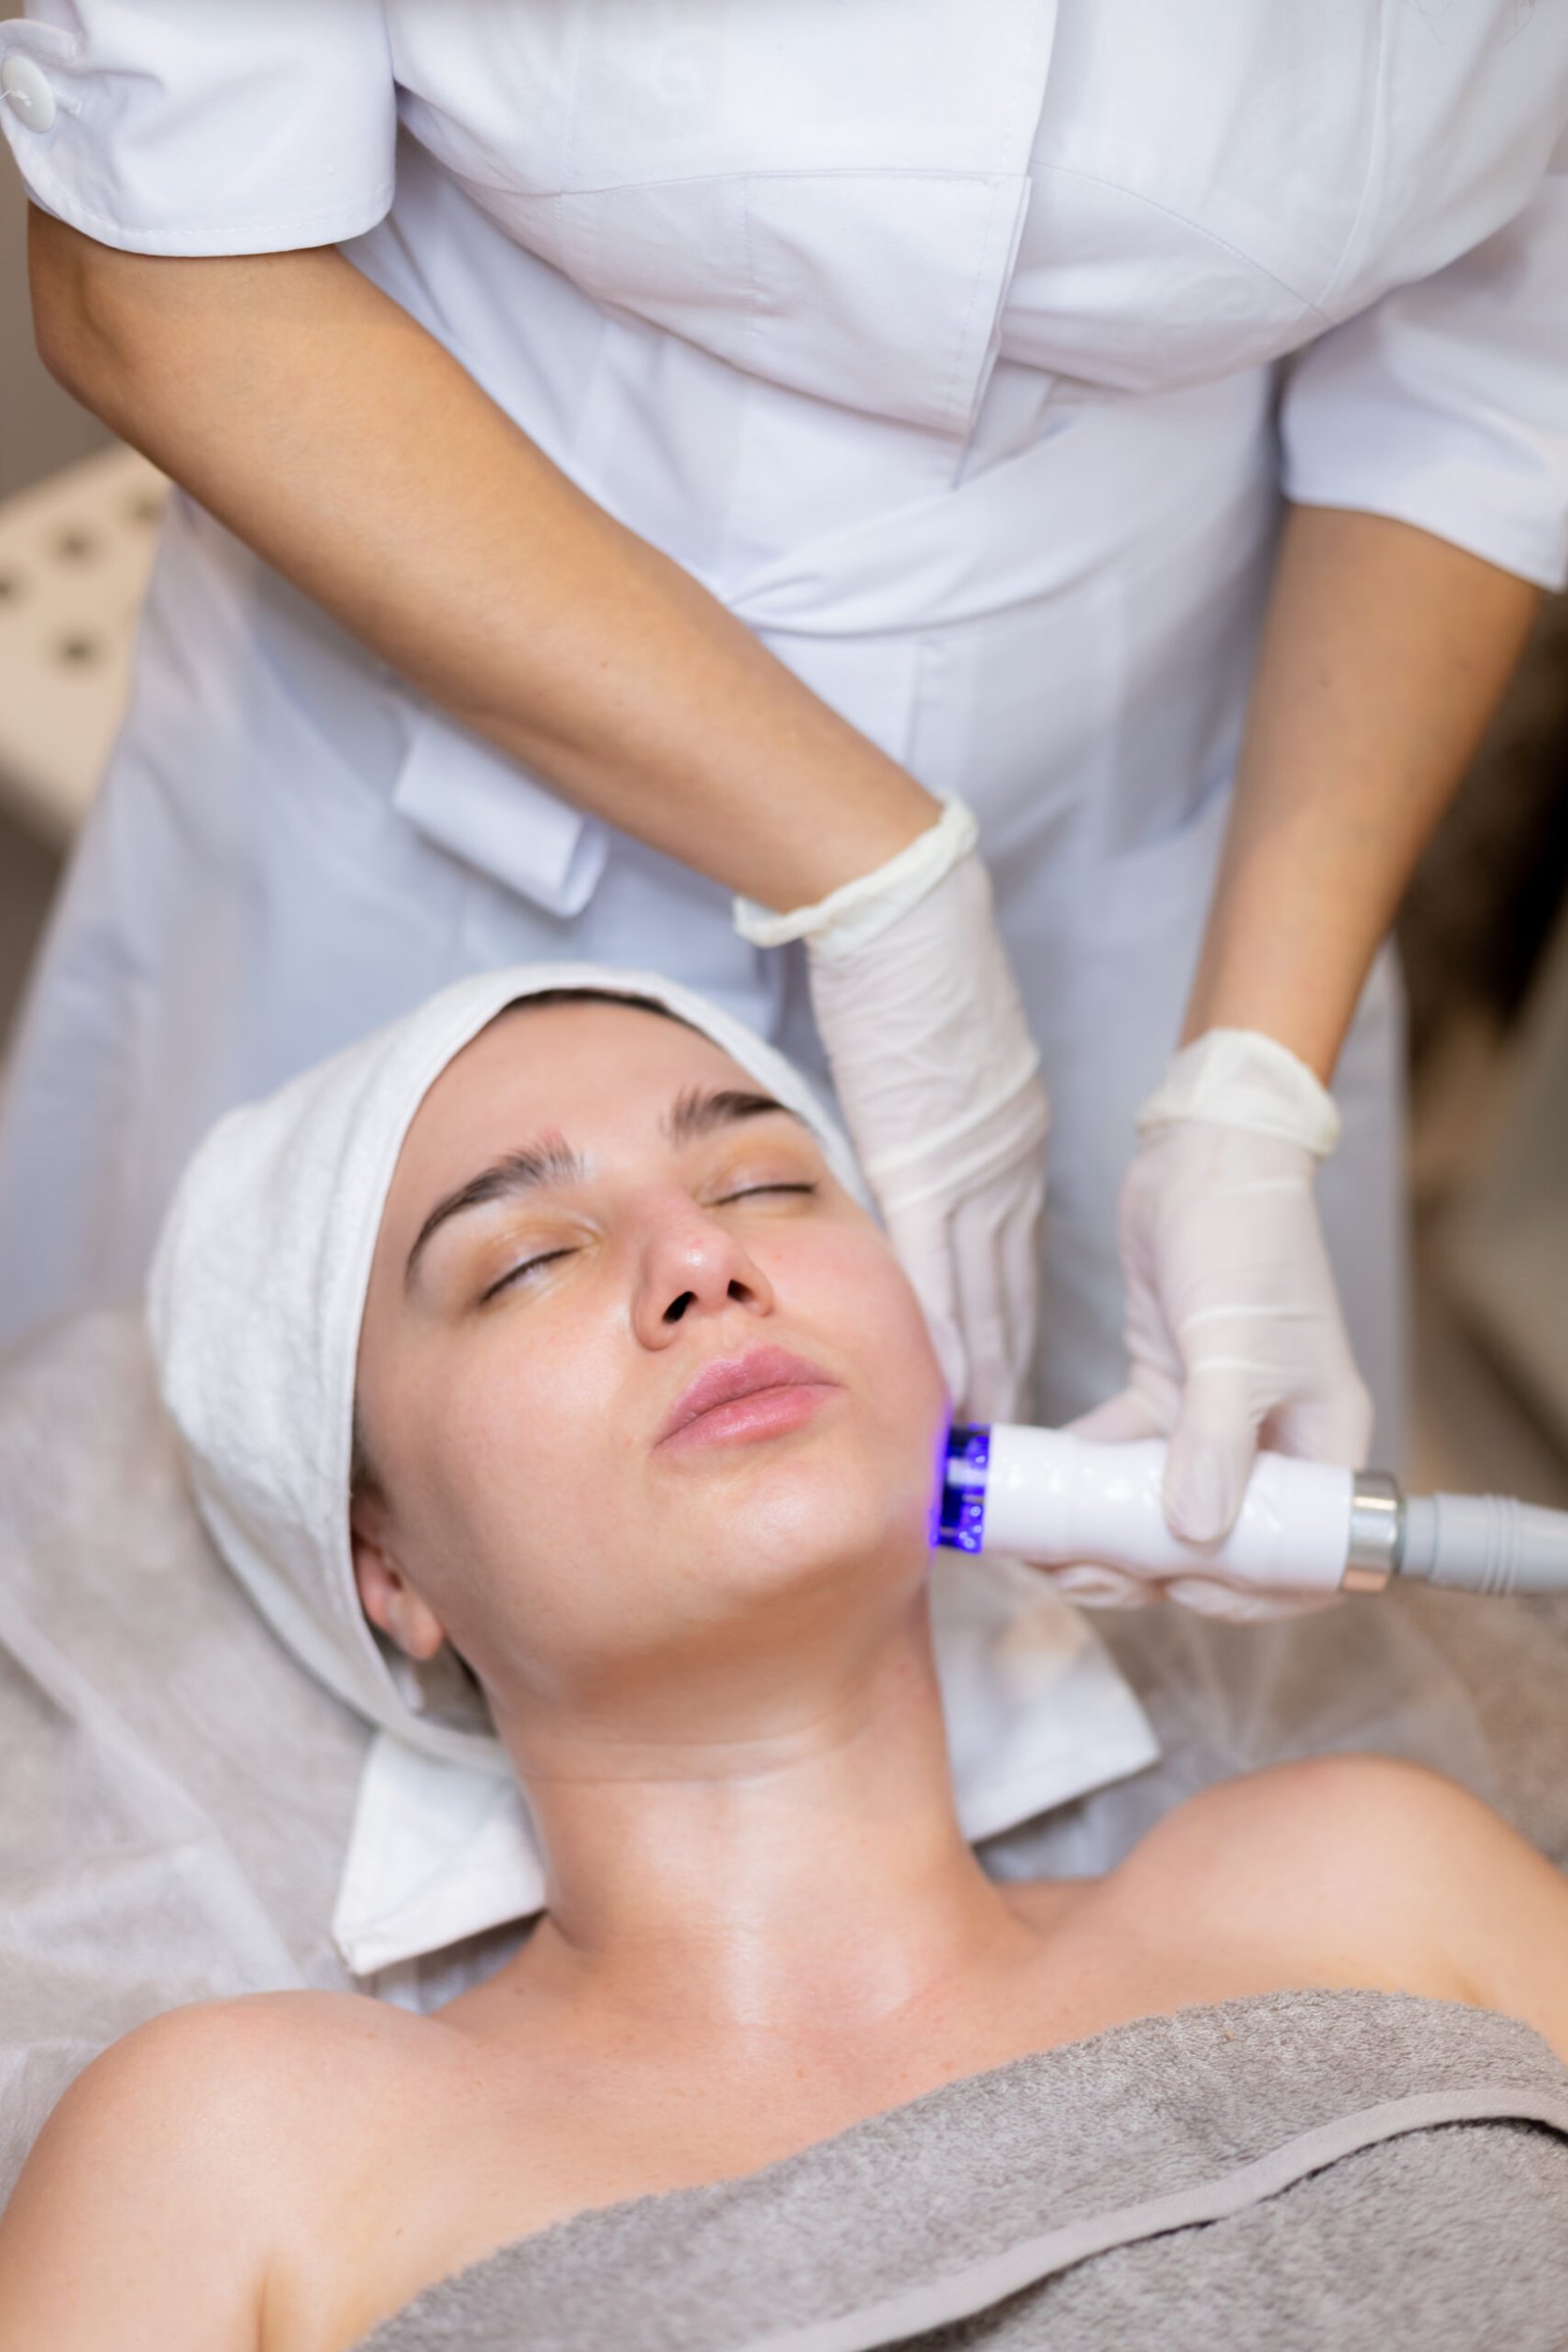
(1385, 653)
(332, 434)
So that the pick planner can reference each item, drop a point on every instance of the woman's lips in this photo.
(761, 1394)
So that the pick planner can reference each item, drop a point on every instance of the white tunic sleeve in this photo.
(178, 127)
(1446, 403)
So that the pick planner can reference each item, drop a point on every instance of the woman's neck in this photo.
(805, 1869)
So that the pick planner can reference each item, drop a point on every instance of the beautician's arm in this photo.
(329, 431)
(1385, 654)
(312, 415)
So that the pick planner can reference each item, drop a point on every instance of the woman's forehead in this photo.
(593, 1052)
(594, 1074)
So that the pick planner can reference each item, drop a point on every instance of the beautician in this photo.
(638, 455)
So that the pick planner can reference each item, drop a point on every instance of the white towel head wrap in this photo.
(254, 1303)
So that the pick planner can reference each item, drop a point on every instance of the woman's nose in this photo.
(693, 1266)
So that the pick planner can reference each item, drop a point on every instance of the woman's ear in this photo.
(386, 1596)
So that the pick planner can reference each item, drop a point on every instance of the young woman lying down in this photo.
(646, 1419)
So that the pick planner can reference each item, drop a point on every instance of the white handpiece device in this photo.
(1304, 1527)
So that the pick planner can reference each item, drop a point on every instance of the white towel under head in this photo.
(254, 1303)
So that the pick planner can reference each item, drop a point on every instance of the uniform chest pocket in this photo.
(824, 193)
(878, 290)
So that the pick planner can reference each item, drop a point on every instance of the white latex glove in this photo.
(1234, 1329)
(938, 1080)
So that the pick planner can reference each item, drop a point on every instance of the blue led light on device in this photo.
(961, 1514)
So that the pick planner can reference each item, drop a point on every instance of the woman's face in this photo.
(636, 1374)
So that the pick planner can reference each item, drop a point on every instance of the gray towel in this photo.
(1356, 2170)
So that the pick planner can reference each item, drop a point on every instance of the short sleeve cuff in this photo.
(1463, 500)
(1446, 403)
(172, 127)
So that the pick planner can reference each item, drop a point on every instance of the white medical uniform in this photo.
(945, 346)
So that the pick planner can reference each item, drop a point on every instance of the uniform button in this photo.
(25, 89)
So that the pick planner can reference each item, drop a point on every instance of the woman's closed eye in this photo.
(754, 1192)
(520, 1271)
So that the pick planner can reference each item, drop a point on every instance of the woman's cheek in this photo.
(879, 1318)
(528, 1417)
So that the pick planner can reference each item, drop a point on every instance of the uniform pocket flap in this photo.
(472, 801)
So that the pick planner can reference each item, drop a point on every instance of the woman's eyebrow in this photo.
(703, 1108)
(552, 1161)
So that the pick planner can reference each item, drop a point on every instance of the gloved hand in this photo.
(937, 1076)
(1234, 1328)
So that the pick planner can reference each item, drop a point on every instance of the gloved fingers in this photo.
(1130, 1414)
(994, 1240)
(1212, 1448)
(991, 1149)
(1230, 1294)
(1208, 1596)
(1332, 1426)
(922, 1246)
(937, 1076)
(1094, 1586)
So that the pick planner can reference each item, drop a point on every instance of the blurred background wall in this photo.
(40, 432)
(1484, 938)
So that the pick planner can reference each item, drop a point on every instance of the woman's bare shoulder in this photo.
(1376, 1870)
(1344, 1813)
(242, 2065)
(151, 2208)
(1362, 1837)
